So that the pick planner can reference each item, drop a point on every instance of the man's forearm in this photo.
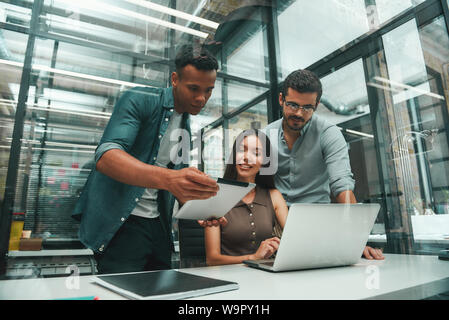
(121, 166)
(346, 197)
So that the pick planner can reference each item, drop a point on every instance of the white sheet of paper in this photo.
(227, 197)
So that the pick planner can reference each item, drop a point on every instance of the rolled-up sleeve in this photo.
(335, 153)
(125, 120)
(123, 126)
(102, 148)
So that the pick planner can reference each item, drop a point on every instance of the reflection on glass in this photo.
(87, 55)
(433, 114)
(75, 90)
(360, 137)
(240, 93)
(213, 156)
(102, 69)
(15, 14)
(404, 55)
(247, 60)
(344, 94)
(12, 55)
(310, 30)
(411, 85)
(131, 25)
(345, 103)
(388, 9)
(407, 67)
(408, 76)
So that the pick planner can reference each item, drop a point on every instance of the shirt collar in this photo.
(302, 132)
(168, 101)
(258, 199)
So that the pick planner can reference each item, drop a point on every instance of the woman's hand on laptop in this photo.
(213, 222)
(373, 253)
(266, 249)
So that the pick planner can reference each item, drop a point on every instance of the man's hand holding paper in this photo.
(191, 184)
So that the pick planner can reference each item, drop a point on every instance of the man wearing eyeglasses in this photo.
(313, 158)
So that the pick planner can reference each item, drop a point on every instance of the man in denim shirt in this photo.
(126, 206)
(313, 158)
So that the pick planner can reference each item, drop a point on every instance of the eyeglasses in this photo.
(308, 108)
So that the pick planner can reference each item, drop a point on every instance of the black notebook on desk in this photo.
(163, 284)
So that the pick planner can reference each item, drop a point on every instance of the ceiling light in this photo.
(68, 112)
(102, 7)
(173, 12)
(86, 76)
(74, 74)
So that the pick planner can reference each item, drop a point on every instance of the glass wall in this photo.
(308, 33)
(383, 65)
(213, 153)
(83, 56)
(385, 10)
(408, 79)
(11, 65)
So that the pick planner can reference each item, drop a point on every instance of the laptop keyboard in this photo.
(269, 263)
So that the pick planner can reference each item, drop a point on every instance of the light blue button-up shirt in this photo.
(317, 165)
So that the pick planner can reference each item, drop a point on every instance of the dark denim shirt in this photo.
(139, 119)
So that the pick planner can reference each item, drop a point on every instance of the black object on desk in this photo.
(163, 284)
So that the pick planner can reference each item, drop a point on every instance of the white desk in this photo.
(429, 239)
(419, 276)
(50, 253)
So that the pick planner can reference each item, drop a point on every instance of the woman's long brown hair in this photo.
(264, 181)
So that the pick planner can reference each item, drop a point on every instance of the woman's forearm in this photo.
(221, 259)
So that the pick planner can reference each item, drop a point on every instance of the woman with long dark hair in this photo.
(249, 232)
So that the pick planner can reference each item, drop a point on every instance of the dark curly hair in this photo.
(199, 57)
(303, 81)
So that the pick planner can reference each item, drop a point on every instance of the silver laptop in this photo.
(321, 236)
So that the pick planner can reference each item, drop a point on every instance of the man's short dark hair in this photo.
(199, 57)
(303, 81)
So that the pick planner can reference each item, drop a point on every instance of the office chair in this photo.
(192, 250)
